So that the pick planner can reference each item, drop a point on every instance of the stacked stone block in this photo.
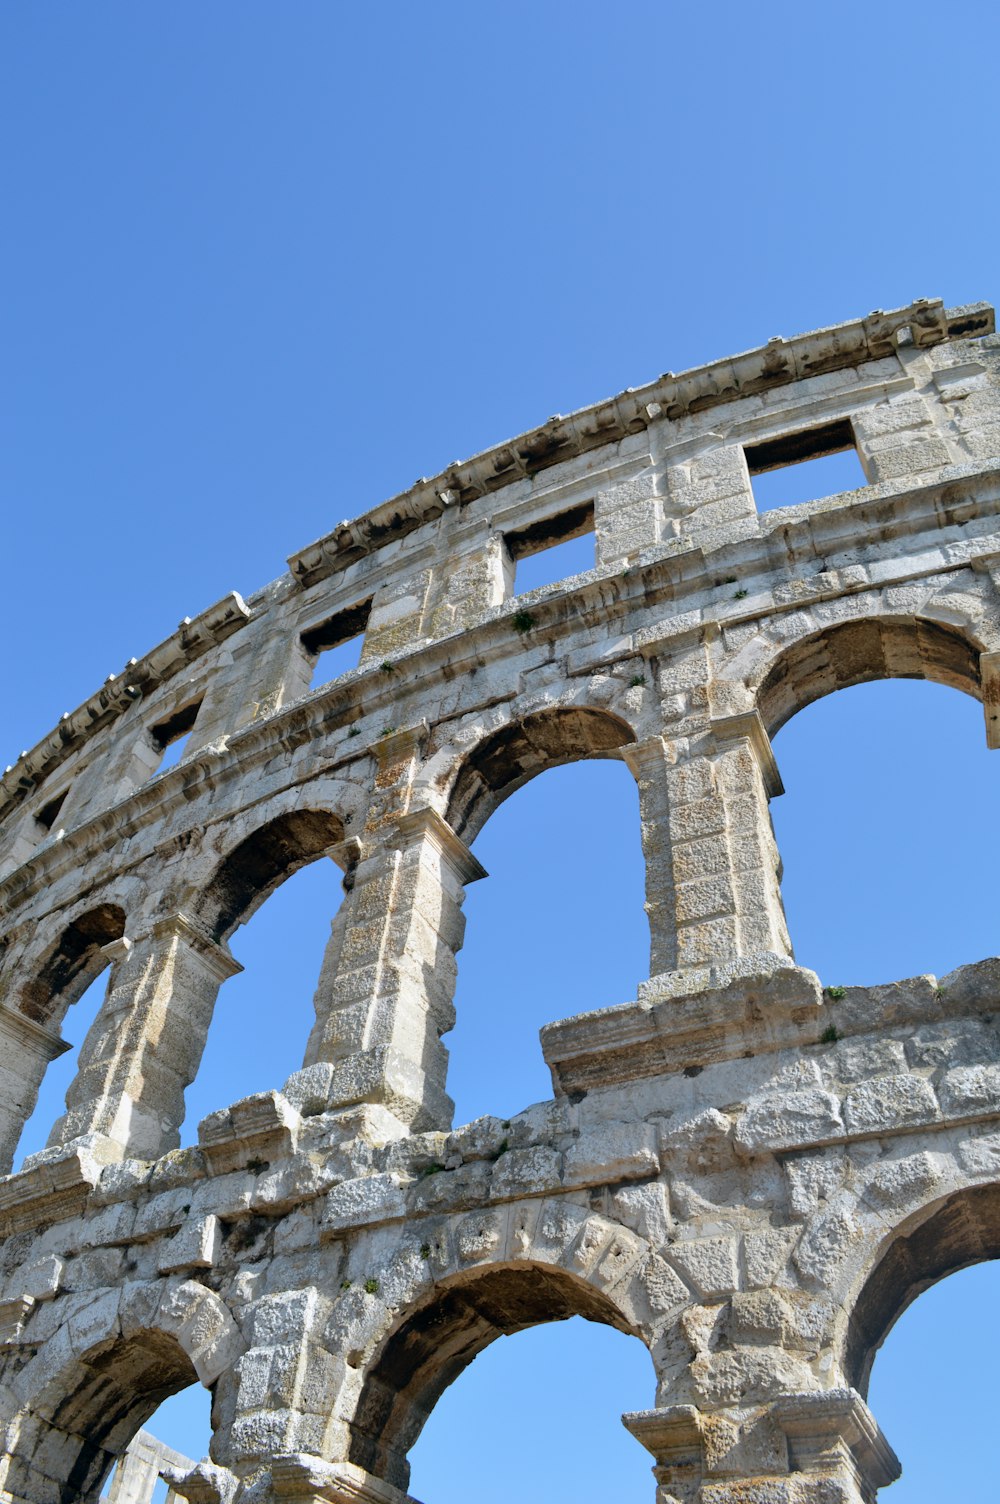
(749, 1173)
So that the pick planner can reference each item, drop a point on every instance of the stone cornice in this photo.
(427, 824)
(194, 637)
(775, 364)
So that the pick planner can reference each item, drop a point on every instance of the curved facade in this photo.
(751, 1174)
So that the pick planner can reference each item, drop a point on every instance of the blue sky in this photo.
(265, 264)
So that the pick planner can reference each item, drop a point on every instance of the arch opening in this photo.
(566, 892)
(178, 1434)
(260, 863)
(934, 1388)
(438, 1341)
(516, 753)
(958, 1232)
(83, 1420)
(38, 1068)
(72, 964)
(263, 1016)
(856, 652)
(888, 787)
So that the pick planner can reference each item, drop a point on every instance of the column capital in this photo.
(821, 1426)
(426, 824)
(638, 757)
(24, 1031)
(299, 1478)
(748, 726)
(217, 959)
(826, 1434)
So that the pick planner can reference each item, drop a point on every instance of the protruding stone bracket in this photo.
(643, 757)
(116, 950)
(217, 959)
(205, 1483)
(673, 1436)
(827, 1428)
(748, 726)
(829, 1435)
(989, 678)
(298, 1478)
(17, 1028)
(426, 824)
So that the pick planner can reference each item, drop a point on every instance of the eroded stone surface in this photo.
(746, 1171)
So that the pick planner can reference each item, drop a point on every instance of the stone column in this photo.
(386, 992)
(146, 1043)
(712, 867)
(26, 1048)
(816, 1448)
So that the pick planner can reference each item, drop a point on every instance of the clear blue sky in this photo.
(265, 264)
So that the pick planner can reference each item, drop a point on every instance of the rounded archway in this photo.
(72, 964)
(81, 1423)
(251, 871)
(437, 1341)
(855, 652)
(508, 758)
(960, 1230)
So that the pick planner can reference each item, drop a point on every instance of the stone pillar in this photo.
(386, 992)
(816, 1448)
(135, 1478)
(146, 1043)
(712, 867)
(26, 1048)
(989, 678)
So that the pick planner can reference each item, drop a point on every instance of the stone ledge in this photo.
(692, 1018)
(298, 1478)
(53, 1186)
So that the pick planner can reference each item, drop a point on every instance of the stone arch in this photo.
(860, 650)
(260, 862)
(439, 1337)
(71, 964)
(954, 1232)
(86, 1400)
(509, 757)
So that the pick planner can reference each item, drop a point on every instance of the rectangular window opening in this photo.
(171, 735)
(49, 813)
(552, 550)
(804, 465)
(336, 643)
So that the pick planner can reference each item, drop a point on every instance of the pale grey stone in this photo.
(889, 1102)
(788, 1120)
(970, 1090)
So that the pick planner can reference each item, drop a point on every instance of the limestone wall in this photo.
(750, 1174)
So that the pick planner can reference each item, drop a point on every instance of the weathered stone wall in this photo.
(750, 1174)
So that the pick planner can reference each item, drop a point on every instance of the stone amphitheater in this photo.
(750, 1173)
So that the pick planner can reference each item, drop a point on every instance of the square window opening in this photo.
(335, 644)
(49, 813)
(170, 736)
(553, 549)
(804, 465)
